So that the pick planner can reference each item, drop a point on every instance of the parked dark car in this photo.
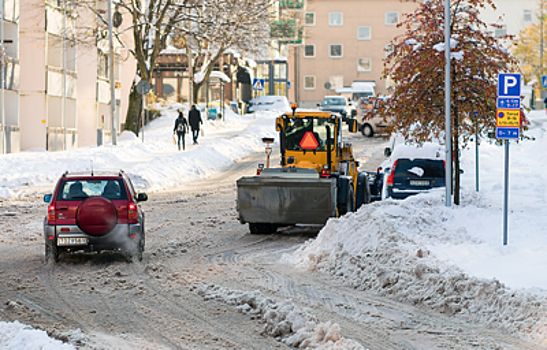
(338, 105)
(412, 176)
(94, 212)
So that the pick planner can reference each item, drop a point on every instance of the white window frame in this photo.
(304, 53)
(309, 24)
(388, 49)
(387, 15)
(341, 50)
(527, 16)
(332, 79)
(499, 32)
(341, 19)
(369, 64)
(369, 33)
(314, 82)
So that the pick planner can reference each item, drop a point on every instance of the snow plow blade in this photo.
(285, 201)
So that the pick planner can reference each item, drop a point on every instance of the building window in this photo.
(499, 32)
(309, 82)
(102, 65)
(335, 18)
(392, 18)
(335, 50)
(309, 50)
(309, 19)
(527, 16)
(389, 49)
(364, 64)
(336, 81)
(363, 33)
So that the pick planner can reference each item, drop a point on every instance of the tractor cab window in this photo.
(308, 133)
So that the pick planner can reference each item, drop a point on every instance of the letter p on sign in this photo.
(509, 85)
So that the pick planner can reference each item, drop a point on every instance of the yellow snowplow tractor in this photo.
(317, 177)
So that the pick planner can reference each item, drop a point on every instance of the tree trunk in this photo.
(195, 90)
(132, 120)
(456, 153)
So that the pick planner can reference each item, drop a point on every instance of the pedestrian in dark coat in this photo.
(181, 128)
(194, 117)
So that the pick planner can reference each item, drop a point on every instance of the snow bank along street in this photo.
(417, 250)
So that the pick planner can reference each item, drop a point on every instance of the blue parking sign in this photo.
(508, 85)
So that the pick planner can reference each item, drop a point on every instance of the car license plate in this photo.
(419, 183)
(71, 241)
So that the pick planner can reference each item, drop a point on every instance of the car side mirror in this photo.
(352, 125)
(461, 171)
(387, 151)
(142, 197)
(47, 197)
(318, 105)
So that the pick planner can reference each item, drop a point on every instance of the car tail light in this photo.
(392, 174)
(324, 173)
(51, 212)
(132, 211)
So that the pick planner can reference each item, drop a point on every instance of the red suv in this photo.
(92, 212)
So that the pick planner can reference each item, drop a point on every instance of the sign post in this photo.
(507, 128)
(143, 87)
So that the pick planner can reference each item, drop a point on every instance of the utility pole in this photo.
(111, 66)
(65, 117)
(448, 174)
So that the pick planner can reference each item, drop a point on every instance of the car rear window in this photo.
(419, 168)
(78, 189)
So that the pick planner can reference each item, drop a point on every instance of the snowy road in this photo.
(194, 239)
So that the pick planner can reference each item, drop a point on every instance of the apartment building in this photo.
(344, 42)
(63, 95)
(9, 87)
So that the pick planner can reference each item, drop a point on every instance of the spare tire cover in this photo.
(96, 216)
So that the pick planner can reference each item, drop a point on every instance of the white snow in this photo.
(452, 259)
(416, 250)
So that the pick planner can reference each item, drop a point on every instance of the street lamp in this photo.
(111, 65)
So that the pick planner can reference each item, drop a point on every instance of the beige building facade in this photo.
(59, 95)
(344, 42)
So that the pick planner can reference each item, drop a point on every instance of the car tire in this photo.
(367, 131)
(97, 216)
(264, 229)
(52, 253)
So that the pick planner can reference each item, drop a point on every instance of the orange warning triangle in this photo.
(309, 141)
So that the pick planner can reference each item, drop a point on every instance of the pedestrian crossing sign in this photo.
(258, 84)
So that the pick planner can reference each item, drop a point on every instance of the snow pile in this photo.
(17, 336)
(293, 326)
(153, 165)
(384, 248)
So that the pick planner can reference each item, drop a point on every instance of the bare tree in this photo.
(218, 25)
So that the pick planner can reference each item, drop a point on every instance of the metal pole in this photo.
(142, 115)
(506, 192)
(448, 175)
(3, 80)
(111, 65)
(65, 114)
(476, 153)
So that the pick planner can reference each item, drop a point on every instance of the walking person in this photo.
(180, 128)
(194, 117)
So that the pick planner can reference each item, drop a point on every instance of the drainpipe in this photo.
(111, 65)
(2, 81)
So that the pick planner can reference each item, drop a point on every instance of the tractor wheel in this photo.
(349, 206)
(367, 131)
(264, 229)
